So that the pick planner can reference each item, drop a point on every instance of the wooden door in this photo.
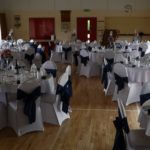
(87, 28)
(41, 28)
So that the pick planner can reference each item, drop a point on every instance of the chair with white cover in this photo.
(29, 56)
(147, 51)
(57, 54)
(122, 93)
(135, 138)
(143, 118)
(24, 113)
(50, 67)
(145, 107)
(107, 75)
(51, 103)
(96, 62)
(37, 60)
(135, 54)
(67, 56)
(128, 92)
(145, 93)
(85, 64)
(120, 58)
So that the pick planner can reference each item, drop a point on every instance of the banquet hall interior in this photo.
(74, 75)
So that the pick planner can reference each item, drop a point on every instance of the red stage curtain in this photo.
(41, 28)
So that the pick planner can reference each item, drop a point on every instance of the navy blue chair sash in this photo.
(84, 60)
(65, 93)
(51, 71)
(29, 58)
(144, 98)
(29, 102)
(110, 61)
(120, 81)
(119, 142)
(66, 50)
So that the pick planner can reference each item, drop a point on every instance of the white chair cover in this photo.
(136, 138)
(16, 117)
(51, 104)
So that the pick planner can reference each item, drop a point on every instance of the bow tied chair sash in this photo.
(40, 51)
(140, 49)
(118, 46)
(110, 61)
(66, 50)
(29, 58)
(120, 125)
(119, 142)
(84, 60)
(120, 81)
(142, 52)
(29, 102)
(126, 47)
(51, 71)
(65, 93)
(144, 98)
(89, 48)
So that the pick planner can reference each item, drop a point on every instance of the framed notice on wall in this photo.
(65, 26)
(65, 21)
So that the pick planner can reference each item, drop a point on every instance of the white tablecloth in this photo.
(138, 74)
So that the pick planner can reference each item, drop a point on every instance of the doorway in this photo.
(87, 28)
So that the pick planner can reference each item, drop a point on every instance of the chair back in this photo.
(29, 92)
(134, 54)
(120, 58)
(68, 70)
(30, 51)
(84, 53)
(120, 70)
(29, 85)
(37, 60)
(109, 54)
(63, 79)
(50, 67)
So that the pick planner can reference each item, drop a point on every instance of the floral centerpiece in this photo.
(6, 54)
(6, 57)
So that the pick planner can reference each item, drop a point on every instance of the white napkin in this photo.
(33, 68)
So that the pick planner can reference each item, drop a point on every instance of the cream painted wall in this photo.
(127, 25)
(112, 20)
(23, 31)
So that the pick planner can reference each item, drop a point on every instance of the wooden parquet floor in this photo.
(89, 128)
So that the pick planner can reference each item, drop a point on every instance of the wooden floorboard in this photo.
(89, 128)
